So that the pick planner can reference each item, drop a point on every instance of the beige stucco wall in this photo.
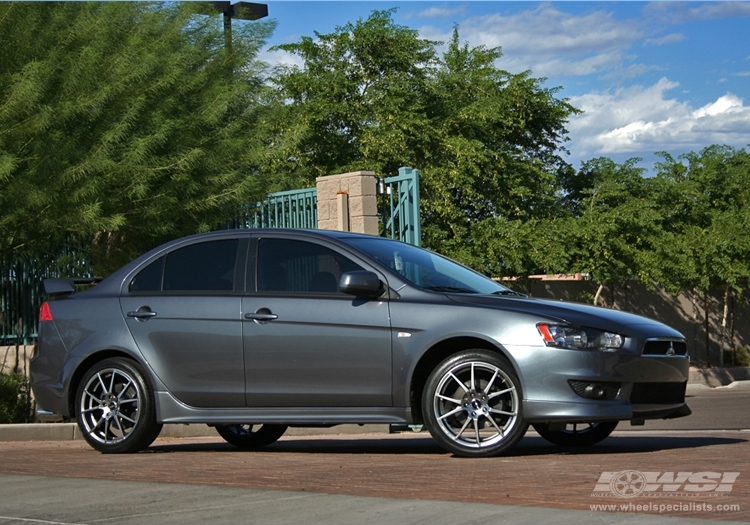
(15, 359)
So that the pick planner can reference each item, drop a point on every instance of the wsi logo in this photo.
(632, 483)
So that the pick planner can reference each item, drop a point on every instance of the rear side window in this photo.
(203, 267)
(149, 279)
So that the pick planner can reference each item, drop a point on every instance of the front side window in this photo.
(202, 267)
(300, 267)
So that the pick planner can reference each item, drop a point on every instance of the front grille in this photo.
(609, 389)
(664, 347)
(658, 393)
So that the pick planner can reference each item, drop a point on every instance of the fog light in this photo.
(601, 390)
(594, 391)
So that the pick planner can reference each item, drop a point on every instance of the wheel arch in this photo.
(436, 355)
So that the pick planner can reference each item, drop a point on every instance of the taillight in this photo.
(45, 314)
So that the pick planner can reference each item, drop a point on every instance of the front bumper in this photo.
(631, 386)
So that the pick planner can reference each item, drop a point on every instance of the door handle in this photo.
(261, 317)
(142, 314)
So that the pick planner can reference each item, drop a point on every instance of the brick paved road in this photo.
(412, 466)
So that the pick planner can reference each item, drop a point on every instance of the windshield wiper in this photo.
(509, 292)
(450, 289)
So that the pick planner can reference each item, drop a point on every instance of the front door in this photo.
(306, 343)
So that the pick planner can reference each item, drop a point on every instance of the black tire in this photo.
(115, 407)
(243, 436)
(472, 404)
(577, 434)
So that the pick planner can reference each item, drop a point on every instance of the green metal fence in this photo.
(20, 296)
(284, 209)
(22, 291)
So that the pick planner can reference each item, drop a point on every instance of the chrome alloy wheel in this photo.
(476, 404)
(110, 406)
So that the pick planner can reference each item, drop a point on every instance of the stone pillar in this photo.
(362, 199)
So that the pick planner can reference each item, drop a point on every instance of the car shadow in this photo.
(423, 444)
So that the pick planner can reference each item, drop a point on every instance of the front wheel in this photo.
(472, 404)
(577, 434)
(115, 407)
(251, 436)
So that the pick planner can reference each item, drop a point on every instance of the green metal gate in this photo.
(399, 204)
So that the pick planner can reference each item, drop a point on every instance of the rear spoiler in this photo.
(67, 286)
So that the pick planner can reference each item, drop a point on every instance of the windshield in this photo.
(426, 269)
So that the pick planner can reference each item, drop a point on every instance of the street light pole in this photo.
(241, 11)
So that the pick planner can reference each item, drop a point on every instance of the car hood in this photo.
(573, 313)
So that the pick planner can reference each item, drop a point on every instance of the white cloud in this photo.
(441, 12)
(572, 44)
(281, 58)
(672, 38)
(641, 120)
(682, 12)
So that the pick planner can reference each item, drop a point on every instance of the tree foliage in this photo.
(684, 229)
(617, 222)
(705, 198)
(358, 102)
(122, 123)
(373, 95)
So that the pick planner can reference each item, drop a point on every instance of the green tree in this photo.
(705, 198)
(373, 95)
(618, 224)
(496, 157)
(358, 102)
(122, 123)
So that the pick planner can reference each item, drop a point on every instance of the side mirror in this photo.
(361, 283)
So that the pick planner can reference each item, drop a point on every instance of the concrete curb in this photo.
(70, 431)
(716, 377)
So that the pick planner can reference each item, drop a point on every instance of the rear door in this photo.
(183, 310)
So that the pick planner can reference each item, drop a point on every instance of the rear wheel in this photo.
(577, 434)
(251, 436)
(115, 407)
(472, 404)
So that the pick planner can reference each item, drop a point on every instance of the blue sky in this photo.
(650, 76)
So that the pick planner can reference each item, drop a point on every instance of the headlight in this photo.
(578, 337)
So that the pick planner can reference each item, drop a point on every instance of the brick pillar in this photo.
(362, 199)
